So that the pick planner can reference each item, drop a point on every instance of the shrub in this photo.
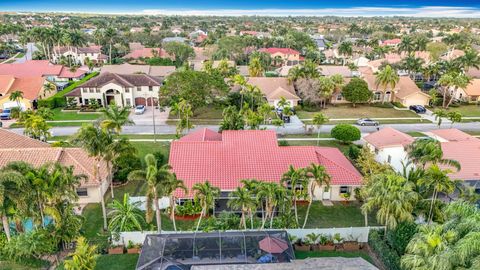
(58, 100)
(353, 152)
(389, 257)
(283, 143)
(345, 133)
(387, 105)
(160, 157)
(397, 104)
(399, 238)
(123, 165)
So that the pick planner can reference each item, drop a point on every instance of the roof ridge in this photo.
(80, 164)
(334, 163)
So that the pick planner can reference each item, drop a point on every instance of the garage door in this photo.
(149, 101)
(140, 101)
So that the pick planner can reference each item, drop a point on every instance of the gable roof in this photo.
(467, 153)
(10, 139)
(329, 70)
(37, 68)
(234, 155)
(388, 137)
(279, 50)
(404, 88)
(451, 134)
(147, 53)
(473, 88)
(274, 87)
(30, 86)
(130, 80)
(128, 69)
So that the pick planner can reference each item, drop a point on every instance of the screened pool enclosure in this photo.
(181, 251)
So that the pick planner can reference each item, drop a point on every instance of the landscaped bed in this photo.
(300, 255)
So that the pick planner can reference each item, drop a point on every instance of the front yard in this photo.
(347, 111)
(467, 110)
(210, 115)
(58, 115)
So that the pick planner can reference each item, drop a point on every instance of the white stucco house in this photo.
(79, 54)
(389, 146)
(125, 90)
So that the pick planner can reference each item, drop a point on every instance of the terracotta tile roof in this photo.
(202, 135)
(404, 88)
(15, 147)
(147, 53)
(31, 68)
(9, 139)
(388, 137)
(244, 154)
(125, 80)
(279, 50)
(394, 41)
(66, 73)
(128, 69)
(334, 70)
(467, 153)
(473, 88)
(30, 86)
(270, 87)
(473, 72)
(451, 134)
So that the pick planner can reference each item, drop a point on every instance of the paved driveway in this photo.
(147, 117)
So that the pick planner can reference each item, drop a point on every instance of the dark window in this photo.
(82, 192)
(150, 88)
(343, 189)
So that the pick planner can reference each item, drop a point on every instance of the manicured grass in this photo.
(382, 122)
(114, 262)
(332, 143)
(16, 266)
(416, 134)
(467, 110)
(338, 215)
(67, 124)
(209, 112)
(130, 136)
(300, 255)
(151, 147)
(313, 135)
(20, 55)
(58, 115)
(347, 111)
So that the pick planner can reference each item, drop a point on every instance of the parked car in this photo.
(367, 122)
(5, 115)
(418, 108)
(140, 109)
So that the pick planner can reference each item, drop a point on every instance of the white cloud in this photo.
(427, 11)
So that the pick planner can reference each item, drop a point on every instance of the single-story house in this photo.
(15, 147)
(274, 88)
(148, 53)
(33, 89)
(125, 90)
(288, 57)
(227, 158)
(389, 146)
(471, 93)
(129, 69)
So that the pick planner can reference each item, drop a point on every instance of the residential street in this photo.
(288, 129)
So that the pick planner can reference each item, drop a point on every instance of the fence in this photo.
(359, 234)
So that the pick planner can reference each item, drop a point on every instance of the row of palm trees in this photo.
(296, 184)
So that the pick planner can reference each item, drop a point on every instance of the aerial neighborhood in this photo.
(226, 142)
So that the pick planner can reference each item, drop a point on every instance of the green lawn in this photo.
(330, 143)
(58, 115)
(129, 136)
(151, 147)
(15, 266)
(467, 110)
(115, 262)
(210, 115)
(300, 255)
(347, 111)
(338, 216)
(20, 55)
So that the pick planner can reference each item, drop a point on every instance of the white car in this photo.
(140, 109)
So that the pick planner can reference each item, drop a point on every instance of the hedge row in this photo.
(58, 100)
(389, 257)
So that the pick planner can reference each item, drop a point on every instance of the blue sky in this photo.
(432, 8)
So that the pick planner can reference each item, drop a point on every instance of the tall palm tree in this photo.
(413, 65)
(439, 115)
(115, 117)
(394, 198)
(318, 120)
(273, 195)
(93, 140)
(11, 183)
(109, 36)
(387, 77)
(318, 178)
(16, 96)
(205, 193)
(156, 177)
(296, 180)
(437, 180)
(172, 184)
(452, 81)
(470, 59)
(241, 199)
(125, 215)
(406, 45)
(345, 50)
(425, 151)
(255, 68)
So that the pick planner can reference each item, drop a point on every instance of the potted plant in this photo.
(338, 240)
(311, 239)
(133, 248)
(346, 197)
(116, 249)
(351, 244)
(300, 245)
(326, 243)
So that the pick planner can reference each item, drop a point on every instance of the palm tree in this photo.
(273, 194)
(205, 193)
(439, 115)
(173, 183)
(11, 183)
(345, 50)
(470, 59)
(438, 181)
(255, 68)
(394, 198)
(241, 199)
(425, 151)
(326, 88)
(318, 178)
(125, 215)
(406, 45)
(94, 140)
(16, 96)
(451, 80)
(156, 177)
(110, 35)
(115, 117)
(84, 257)
(296, 180)
(413, 65)
(318, 120)
(387, 77)
(454, 117)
